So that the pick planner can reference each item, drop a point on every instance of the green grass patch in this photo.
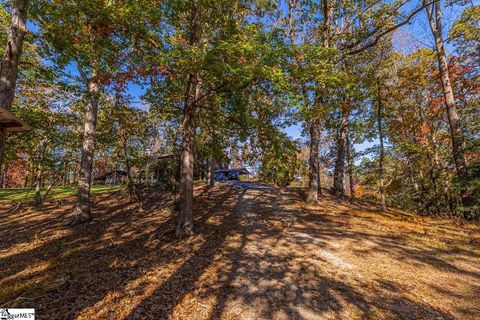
(20, 194)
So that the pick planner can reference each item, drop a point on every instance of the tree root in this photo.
(80, 218)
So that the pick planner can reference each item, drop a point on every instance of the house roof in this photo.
(237, 170)
(9, 123)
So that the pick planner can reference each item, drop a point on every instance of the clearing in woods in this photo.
(258, 253)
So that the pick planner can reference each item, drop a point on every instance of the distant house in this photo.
(9, 123)
(111, 178)
(230, 174)
(159, 168)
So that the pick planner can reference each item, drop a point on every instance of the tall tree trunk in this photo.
(82, 209)
(185, 219)
(12, 53)
(383, 203)
(130, 182)
(27, 176)
(314, 188)
(64, 169)
(350, 169)
(434, 14)
(327, 22)
(65, 178)
(339, 173)
(211, 170)
(40, 170)
(38, 188)
(319, 178)
(314, 173)
(432, 157)
(9, 68)
(2, 169)
(338, 177)
(314, 164)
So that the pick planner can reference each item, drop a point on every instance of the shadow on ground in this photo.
(258, 253)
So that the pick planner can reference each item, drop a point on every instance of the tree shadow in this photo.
(253, 279)
(258, 253)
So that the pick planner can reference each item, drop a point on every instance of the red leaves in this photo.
(425, 131)
(120, 80)
(16, 173)
(436, 107)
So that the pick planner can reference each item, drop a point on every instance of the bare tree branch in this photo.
(390, 29)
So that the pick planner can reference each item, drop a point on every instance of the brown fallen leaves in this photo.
(257, 253)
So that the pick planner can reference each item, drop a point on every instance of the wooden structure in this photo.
(9, 123)
(157, 168)
(230, 174)
(111, 178)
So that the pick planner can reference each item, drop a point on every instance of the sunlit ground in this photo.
(258, 253)
(28, 194)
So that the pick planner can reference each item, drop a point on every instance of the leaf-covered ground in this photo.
(258, 253)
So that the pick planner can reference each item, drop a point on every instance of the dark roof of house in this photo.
(237, 170)
(9, 123)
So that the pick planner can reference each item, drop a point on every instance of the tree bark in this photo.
(185, 222)
(82, 209)
(435, 19)
(211, 169)
(40, 170)
(314, 173)
(431, 154)
(38, 189)
(314, 187)
(383, 204)
(185, 219)
(327, 19)
(11, 58)
(13, 51)
(350, 169)
(339, 173)
(2, 152)
(130, 182)
(27, 176)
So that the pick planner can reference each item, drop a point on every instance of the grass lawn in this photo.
(18, 194)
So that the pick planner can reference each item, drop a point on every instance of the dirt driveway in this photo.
(338, 261)
(258, 253)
